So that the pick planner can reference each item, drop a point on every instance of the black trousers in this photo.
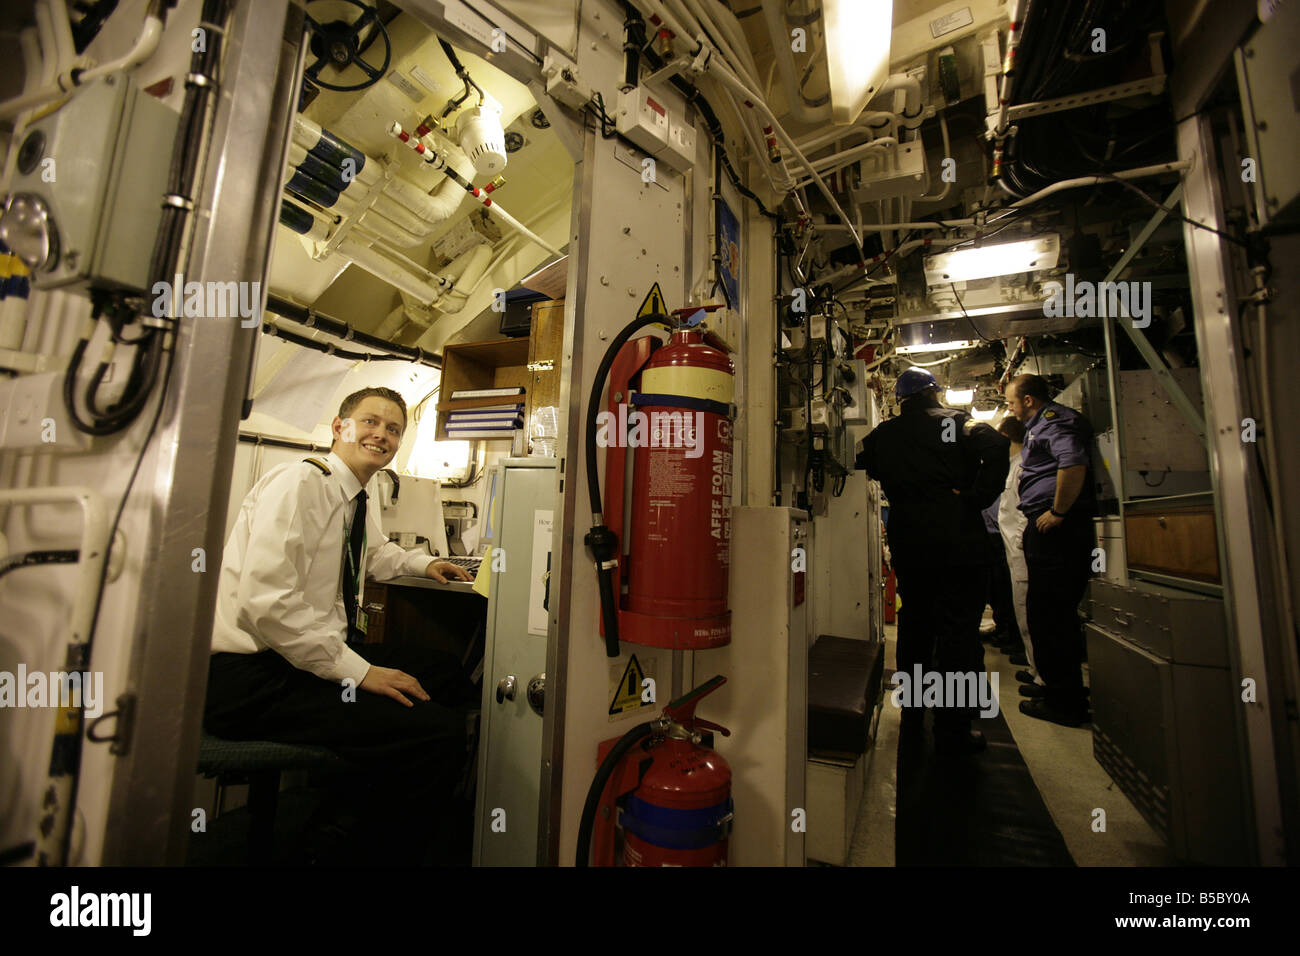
(999, 597)
(1060, 563)
(938, 628)
(409, 758)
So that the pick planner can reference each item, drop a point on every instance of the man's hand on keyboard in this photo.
(440, 571)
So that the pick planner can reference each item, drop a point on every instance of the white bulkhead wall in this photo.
(627, 235)
(35, 603)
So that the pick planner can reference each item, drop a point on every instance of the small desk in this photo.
(422, 610)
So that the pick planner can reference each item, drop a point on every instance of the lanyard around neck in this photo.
(353, 573)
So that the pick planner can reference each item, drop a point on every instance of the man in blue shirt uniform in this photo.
(1056, 496)
(939, 469)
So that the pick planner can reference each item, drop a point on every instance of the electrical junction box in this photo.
(794, 342)
(725, 324)
(857, 411)
(99, 164)
(899, 171)
(563, 84)
(643, 120)
(680, 154)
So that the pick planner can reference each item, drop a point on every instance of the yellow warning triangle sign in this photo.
(653, 303)
(627, 696)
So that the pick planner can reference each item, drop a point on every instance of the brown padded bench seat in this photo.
(844, 681)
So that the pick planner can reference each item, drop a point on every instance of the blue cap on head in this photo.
(912, 382)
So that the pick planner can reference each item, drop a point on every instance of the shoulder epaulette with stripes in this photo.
(319, 464)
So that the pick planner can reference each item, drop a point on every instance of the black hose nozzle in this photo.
(603, 544)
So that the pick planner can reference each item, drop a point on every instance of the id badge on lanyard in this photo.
(362, 623)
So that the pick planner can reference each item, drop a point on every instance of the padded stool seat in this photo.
(218, 756)
(258, 763)
(844, 684)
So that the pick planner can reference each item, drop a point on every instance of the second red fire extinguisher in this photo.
(664, 790)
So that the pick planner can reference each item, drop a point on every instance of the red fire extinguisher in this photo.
(666, 794)
(673, 402)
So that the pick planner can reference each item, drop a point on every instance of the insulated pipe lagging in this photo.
(330, 149)
(402, 202)
(303, 221)
(440, 162)
(464, 273)
(384, 268)
(327, 186)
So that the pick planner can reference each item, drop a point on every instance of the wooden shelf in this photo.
(500, 363)
(532, 363)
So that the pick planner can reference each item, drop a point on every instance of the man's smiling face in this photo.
(368, 440)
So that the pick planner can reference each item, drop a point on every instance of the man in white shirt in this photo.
(1011, 522)
(282, 668)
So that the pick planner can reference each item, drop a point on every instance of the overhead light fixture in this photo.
(934, 347)
(1001, 259)
(857, 53)
(959, 396)
(983, 416)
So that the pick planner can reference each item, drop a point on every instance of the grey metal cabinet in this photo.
(514, 661)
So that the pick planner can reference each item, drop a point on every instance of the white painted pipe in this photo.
(67, 50)
(514, 223)
(49, 46)
(144, 48)
(1139, 173)
(865, 120)
(704, 24)
(947, 152)
(465, 270)
(381, 267)
(726, 20)
(844, 157)
(779, 34)
(731, 80)
(759, 148)
(911, 86)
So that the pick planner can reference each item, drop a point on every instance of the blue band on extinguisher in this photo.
(676, 829)
(683, 401)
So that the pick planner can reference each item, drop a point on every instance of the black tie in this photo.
(352, 571)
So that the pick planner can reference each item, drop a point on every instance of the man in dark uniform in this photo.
(1056, 496)
(939, 469)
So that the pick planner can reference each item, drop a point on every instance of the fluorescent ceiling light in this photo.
(934, 347)
(959, 396)
(1002, 259)
(857, 53)
(982, 416)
